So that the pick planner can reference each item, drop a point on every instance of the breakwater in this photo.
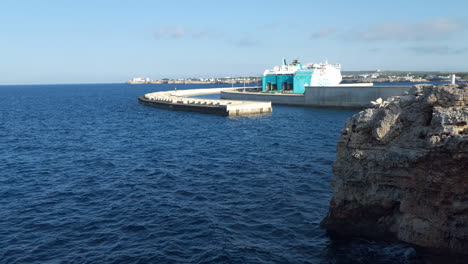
(326, 96)
(349, 96)
(182, 100)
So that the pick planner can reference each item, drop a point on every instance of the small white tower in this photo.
(452, 79)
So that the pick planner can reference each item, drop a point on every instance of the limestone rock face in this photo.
(401, 170)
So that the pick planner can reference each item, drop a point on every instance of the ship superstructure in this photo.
(293, 77)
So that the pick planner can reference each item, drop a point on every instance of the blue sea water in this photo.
(88, 175)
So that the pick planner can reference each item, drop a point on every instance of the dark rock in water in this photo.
(401, 170)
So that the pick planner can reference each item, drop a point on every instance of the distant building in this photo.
(139, 80)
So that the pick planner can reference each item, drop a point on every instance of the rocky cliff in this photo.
(401, 170)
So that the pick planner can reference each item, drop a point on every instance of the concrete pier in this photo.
(181, 100)
(277, 98)
(346, 96)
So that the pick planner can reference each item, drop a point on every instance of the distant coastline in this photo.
(226, 80)
(348, 77)
(400, 76)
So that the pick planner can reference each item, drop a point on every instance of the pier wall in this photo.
(330, 96)
(181, 100)
(335, 96)
(195, 92)
(282, 99)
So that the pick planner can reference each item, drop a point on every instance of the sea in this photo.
(89, 175)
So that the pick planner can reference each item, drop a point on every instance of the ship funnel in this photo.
(284, 61)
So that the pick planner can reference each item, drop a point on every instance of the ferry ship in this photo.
(294, 77)
(315, 85)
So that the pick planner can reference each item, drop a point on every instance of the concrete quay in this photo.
(349, 96)
(181, 100)
(342, 96)
(274, 98)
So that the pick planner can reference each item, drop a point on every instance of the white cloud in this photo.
(427, 30)
(326, 32)
(272, 25)
(171, 31)
(438, 50)
(177, 31)
(248, 42)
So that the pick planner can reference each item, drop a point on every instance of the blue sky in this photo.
(112, 41)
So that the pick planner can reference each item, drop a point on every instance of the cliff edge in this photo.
(401, 170)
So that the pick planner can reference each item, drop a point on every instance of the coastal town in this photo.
(377, 76)
(225, 80)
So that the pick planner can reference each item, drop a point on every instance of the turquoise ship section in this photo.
(294, 77)
(268, 82)
(302, 79)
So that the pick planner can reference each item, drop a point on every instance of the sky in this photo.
(103, 41)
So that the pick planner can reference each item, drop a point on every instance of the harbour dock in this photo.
(313, 85)
(338, 96)
(182, 100)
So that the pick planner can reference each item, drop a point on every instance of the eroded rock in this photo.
(402, 170)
